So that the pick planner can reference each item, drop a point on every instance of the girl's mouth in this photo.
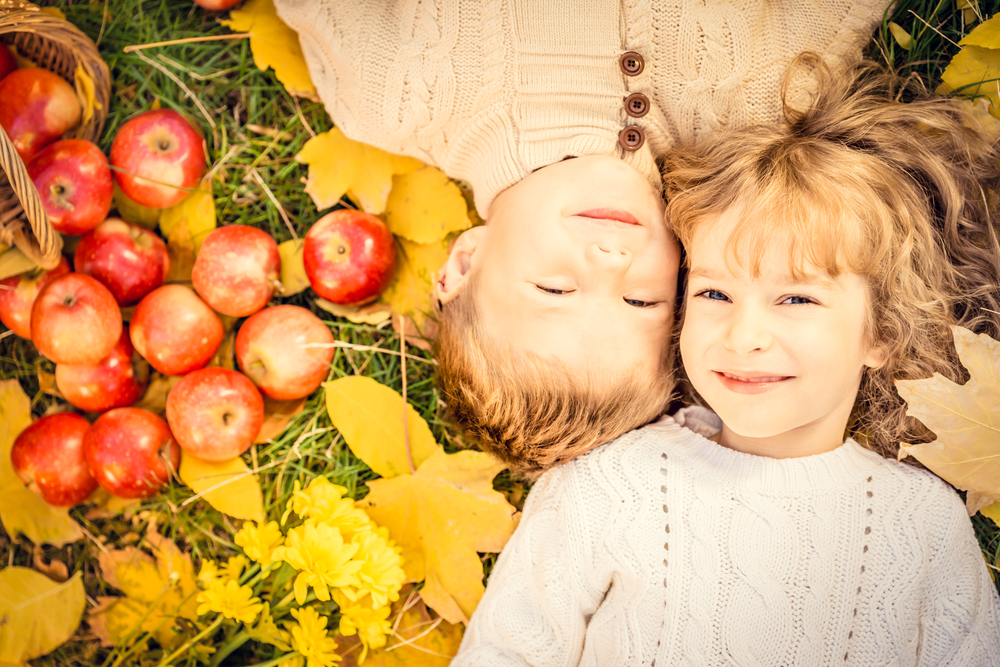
(751, 383)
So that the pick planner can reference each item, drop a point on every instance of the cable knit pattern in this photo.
(490, 90)
(663, 548)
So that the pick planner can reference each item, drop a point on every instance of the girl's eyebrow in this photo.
(810, 279)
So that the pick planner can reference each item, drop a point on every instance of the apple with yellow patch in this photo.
(38, 107)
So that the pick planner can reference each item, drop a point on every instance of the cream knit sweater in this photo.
(490, 90)
(664, 548)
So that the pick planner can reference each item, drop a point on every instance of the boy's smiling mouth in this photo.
(612, 214)
(751, 382)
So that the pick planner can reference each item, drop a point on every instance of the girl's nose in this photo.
(749, 331)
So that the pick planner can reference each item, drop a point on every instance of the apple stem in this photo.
(406, 428)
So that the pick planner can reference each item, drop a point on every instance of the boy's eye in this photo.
(640, 304)
(550, 290)
(713, 295)
(797, 300)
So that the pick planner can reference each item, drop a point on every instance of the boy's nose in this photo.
(609, 256)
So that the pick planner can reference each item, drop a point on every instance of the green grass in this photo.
(241, 101)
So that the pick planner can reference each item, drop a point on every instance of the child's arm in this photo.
(960, 614)
(546, 583)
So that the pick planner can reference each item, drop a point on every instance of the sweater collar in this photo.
(835, 471)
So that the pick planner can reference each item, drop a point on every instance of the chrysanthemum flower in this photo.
(231, 600)
(371, 625)
(209, 572)
(381, 574)
(310, 638)
(323, 560)
(234, 568)
(325, 502)
(259, 542)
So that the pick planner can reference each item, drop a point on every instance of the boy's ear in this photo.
(454, 275)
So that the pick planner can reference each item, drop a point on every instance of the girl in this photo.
(826, 259)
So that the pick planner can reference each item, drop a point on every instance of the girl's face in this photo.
(779, 359)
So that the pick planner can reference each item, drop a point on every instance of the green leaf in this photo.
(370, 417)
(36, 613)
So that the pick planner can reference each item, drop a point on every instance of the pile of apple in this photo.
(74, 316)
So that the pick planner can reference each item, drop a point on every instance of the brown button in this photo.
(631, 63)
(637, 105)
(632, 138)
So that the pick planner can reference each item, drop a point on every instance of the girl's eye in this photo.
(640, 304)
(797, 300)
(712, 295)
(550, 290)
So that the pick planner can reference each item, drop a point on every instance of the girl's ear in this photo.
(455, 273)
(876, 356)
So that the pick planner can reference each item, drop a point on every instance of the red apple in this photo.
(174, 330)
(7, 62)
(130, 452)
(48, 457)
(75, 320)
(237, 270)
(74, 181)
(129, 260)
(38, 108)
(156, 155)
(117, 381)
(349, 257)
(217, 5)
(215, 413)
(274, 349)
(18, 294)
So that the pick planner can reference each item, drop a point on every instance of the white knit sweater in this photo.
(490, 90)
(664, 548)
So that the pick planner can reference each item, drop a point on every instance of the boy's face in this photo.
(576, 264)
(779, 359)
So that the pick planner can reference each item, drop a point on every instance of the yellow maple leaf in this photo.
(164, 585)
(36, 613)
(238, 496)
(975, 70)
(369, 416)
(273, 44)
(293, 269)
(420, 640)
(134, 212)
(966, 453)
(425, 206)
(196, 212)
(417, 266)
(339, 166)
(441, 516)
(21, 511)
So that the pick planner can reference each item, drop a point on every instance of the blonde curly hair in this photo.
(874, 177)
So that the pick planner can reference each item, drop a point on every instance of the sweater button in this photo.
(632, 138)
(631, 63)
(637, 105)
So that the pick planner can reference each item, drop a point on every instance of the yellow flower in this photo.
(234, 568)
(231, 600)
(371, 625)
(325, 502)
(381, 574)
(259, 542)
(294, 661)
(310, 638)
(322, 558)
(209, 572)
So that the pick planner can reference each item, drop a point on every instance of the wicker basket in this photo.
(59, 46)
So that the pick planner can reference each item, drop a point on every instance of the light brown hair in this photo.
(534, 413)
(862, 181)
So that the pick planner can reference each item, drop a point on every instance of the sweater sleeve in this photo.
(543, 589)
(960, 614)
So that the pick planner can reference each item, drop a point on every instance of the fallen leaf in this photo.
(979, 111)
(966, 453)
(54, 11)
(420, 338)
(372, 314)
(986, 35)
(240, 498)
(369, 415)
(901, 36)
(975, 70)
(86, 93)
(273, 44)
(423, 640)
(339, 166)
(164, 585)
(134, 212)
(293, 270)
(425, 206)
(992, 512)
(277, 414)
(21, 511)
(417, 266)
(36, 613)
(196, 212)
(47, 383)
(55, 569)
(180, 249)
(442, 516)
(106, 505)
(155, 398)
(14, 262)
(225, 354)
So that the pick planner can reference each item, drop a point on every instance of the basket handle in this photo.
(42, 244)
